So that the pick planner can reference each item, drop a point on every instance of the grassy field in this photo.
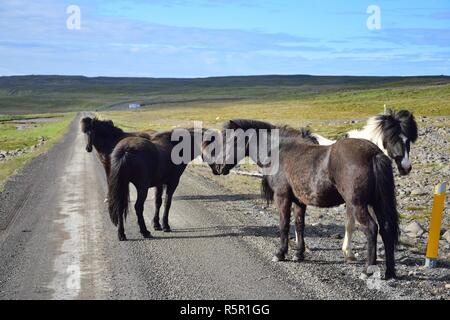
(12, 139)
(326, 104)
(314, 111)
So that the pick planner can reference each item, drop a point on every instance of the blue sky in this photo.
(198, 38)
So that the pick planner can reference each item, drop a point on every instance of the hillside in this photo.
(38, 94)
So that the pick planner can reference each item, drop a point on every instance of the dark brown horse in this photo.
(104, 136)
(149, 163)
(351, 171)
(393, 132)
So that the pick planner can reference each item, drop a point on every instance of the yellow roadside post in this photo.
(435, 225)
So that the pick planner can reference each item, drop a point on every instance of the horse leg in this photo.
(107, 167)
(167, 203)
(370, 228)
(347, 245)
(283, 204)
(121, 229)
(158, 203)
(139, 207)
(299, 216)
(389, 250)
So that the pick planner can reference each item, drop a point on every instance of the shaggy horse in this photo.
(393, 133)
(350, 171)
(104, 136)
(146, 164)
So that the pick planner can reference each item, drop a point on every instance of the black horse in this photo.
(104, 136)
(149, 163)
(351, 171)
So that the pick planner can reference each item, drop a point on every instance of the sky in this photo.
(201, 38)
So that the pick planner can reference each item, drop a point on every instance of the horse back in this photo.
(350, 167)
(140, 157)
(305, 168)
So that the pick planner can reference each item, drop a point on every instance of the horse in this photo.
(393, 133)
(351, 171)
(148, 163)
(104, 136)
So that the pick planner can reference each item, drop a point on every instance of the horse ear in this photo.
(389, 112)
(232, 125)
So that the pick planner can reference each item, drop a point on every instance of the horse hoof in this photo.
(277, 258)
(390, 275)
(122, 237)
(350, 259)
(147, 235)
(157, 227)
(298, 258)
(167, 229)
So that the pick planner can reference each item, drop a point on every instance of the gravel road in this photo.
(57, 242)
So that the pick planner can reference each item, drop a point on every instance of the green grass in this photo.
(13, 139)
(310, 111)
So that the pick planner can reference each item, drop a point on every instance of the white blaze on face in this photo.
(406, 163)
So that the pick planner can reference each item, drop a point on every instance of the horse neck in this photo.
(254, 143)
(372, 132)
(105, 142)
(196, 143)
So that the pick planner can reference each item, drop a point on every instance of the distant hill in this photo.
(23, 94)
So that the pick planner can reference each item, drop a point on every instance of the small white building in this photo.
(134, 106)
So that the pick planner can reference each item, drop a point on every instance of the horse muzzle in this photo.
(404, 170)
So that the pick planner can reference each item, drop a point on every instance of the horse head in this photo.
(87, 127)
(210, 150)
(398, 129)
(245, 138)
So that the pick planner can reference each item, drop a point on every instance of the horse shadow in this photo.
(218, 198)
(245, 231)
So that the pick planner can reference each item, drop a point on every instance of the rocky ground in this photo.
(431, 165)
(9, 154)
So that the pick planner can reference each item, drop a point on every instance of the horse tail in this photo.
(384, 202)
(266, 191)
(118, 190)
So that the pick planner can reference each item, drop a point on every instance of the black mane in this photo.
(106, 127)
(245, 124)
(307, 135)
(285, 131)
(394, 123)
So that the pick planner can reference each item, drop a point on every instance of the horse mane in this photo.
(106, 127)
(394, 123)
(245, 124)
(166, 136)
(285, 130)
(308, 136)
